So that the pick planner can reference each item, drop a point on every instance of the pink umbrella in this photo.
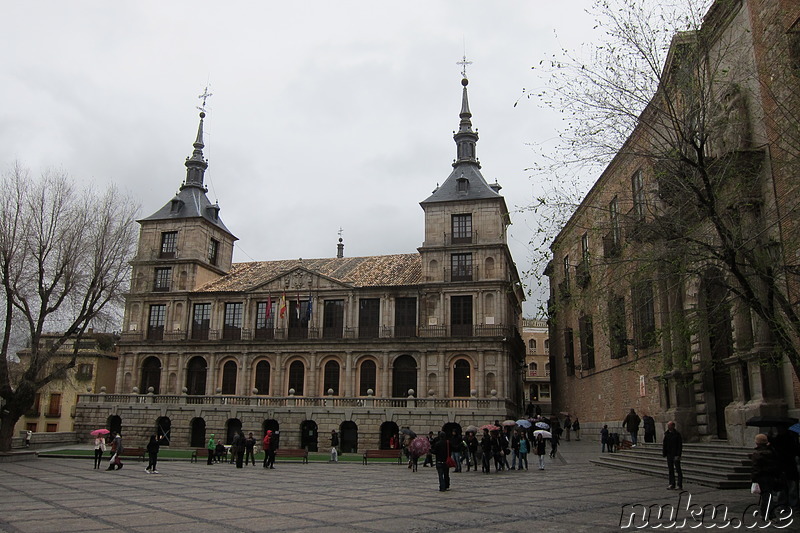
(419, 446)
(490, 427)
(98, 432)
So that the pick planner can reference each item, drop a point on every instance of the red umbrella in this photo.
(490, 427)
(98, 432)
(419, 446)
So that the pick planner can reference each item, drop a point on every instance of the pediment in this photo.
(301, 279)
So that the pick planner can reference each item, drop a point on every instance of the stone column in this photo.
(349, 375)
(480, 376)
(385, 392)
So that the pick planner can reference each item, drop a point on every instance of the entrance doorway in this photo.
(164, 429)
(348, 437)
(388, 430)
(308, 435)
(197, 438)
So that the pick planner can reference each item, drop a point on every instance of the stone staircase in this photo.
(712, 464)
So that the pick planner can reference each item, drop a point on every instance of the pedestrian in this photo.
(524, 447)
(270, 450)
(238, 443)
(631, 424)
(212, 448)
(441, 450)
(152, 454)
(220, 455)
(649, 427)
(99, 450)
(455, 449)
(576, 428)
(541, 449)
(672, 448)
(117, 449)
(334, 444)
(265, 444)
(787, 447)
(472, 451)
(486, 452)
(567, 427)
(554, 440)
(766, 471)
(249, 448)
(429, 457)
(604, 439)
(515, 449)
(28, 435)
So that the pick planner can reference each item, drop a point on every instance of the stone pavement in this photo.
(60, 495)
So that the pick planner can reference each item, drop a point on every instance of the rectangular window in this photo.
(85, 371)
(52, 428)
(637, 188)
(162, 279)
(461, 226)
(369, 318)
(156, 321)
(544, 391)
(566, 272)
(201, 321)
(31, 426)
(569, 351)
(54, 409)
(461, 316)
(405, 317)
(169, 244)
(587, 342)
(613, 210)
(298, 319)
(265, 320)
(213, 251)
(232, 326)
(617, 329)
(333, 319)
(644, 320)
(461, 267)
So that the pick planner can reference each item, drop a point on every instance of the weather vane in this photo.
(340, 232)
(464, 64)
(204, 96)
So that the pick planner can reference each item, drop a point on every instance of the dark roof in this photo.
(372, 271)
(477, 188)
(190, 202)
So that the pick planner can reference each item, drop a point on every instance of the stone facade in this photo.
(663, 335)
(538, 392)
(364, 345)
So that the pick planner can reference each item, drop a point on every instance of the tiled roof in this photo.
(373, 271)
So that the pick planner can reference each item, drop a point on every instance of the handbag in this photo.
(755, 488)
(449, 462)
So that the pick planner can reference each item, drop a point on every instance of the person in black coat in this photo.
(766, 471)
(672, 448)
(486, 452)
(152, 455)
(441, 451)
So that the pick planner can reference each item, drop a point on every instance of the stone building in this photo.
(536, 337)
(641, 314)
(363, 345)
(95, 370)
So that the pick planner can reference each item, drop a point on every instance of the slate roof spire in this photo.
(465, 138)
(196, 165)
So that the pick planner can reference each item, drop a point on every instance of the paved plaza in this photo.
(60, 495)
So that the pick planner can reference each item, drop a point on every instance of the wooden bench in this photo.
(292, 452)
(203, 454)
(384, 454)
(133, 452)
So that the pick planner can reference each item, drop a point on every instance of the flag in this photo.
(308, 309)
(282, 312)
(269, 307)
(297, 307)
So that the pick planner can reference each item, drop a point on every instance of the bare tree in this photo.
(64, 255)
(675, 89)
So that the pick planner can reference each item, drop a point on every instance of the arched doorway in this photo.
(308, 435)
(114, 423)
(164, 429)
(348, 437)
(388, 430)
(269, 425)
(197, 439)
(232, 427)
(229, 373)
(151, 375)
(461, 381)
(404, 376)
(196, 376)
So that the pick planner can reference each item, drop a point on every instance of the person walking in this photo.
(486, 452)
(515, 449)
(472, 451)
(152, 454)
(541, 449)
(429, 457)
(272, 445)
(441, 450)
(117, 448)
(672, 448)
(524, 446)
(766, 471)
(631, 424)
(211, 446)
(238, 443)
(265, 446)
(334, 444)
(576, 428)
(554, 440)
(649, 427)
(99, 450)
(604, 436)
(455, 449)
(28, 435)
(567, 427)
(249, 449)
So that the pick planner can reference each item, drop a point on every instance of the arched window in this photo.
(533, 369)
(547, 369)
(196, 376)
(547, 346)
(197, 437)
(532, 345)
(461, 381)
(151, 375)
(331, 378)
(229, 372)
(368, 377)
(262, 377)
(297, 376)
(404, 376)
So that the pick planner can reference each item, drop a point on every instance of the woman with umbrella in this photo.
(99, 446)
(541, 449)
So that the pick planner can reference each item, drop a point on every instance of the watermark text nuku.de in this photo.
(710, 516)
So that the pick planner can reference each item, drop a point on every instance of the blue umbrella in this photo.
(795, 428)
(524, 423)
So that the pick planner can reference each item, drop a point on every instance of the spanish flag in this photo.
(283, 305)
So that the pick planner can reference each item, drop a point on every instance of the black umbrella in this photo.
(406, 431)
(770, 421)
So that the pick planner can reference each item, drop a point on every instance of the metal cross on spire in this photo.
(204, 96)
(464, 64)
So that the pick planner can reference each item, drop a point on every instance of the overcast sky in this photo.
(324, 114)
